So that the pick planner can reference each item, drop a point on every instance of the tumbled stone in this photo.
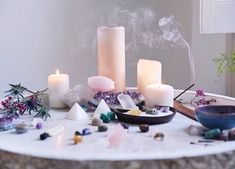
(223, 137)
(195, 130)
(77, 133)
(144, 128)
(44, 136)
(21, 128)
(86, 131)
(77, 139)
(135, 112)
(231, 134)
(105, 118)
(102, 128)
(39, 125)
(212, 134)
(159, 137)
(111, 115)
(96, 122)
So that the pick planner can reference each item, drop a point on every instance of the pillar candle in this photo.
(148, 72)
(158, 94)
(58, 85)
(111, 55)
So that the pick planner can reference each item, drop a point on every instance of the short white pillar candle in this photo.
(148, 72)
(58, 85)
(158, 94)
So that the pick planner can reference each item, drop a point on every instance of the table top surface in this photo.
(138, 146)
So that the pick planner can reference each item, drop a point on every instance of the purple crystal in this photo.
(6, 122)
(111, 98)
(39, 125)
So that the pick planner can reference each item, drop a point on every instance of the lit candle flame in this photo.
(57, 71)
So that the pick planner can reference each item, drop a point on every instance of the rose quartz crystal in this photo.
(101, 83)
(117, 136)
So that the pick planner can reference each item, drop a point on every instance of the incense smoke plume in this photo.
(143, 28)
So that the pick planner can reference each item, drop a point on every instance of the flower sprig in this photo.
(199, 99)
(19, 100)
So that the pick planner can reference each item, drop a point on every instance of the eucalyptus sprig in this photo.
(225, 63)
(19, 100)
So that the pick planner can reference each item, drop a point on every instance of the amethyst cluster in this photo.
(111, 98)
(6, 122)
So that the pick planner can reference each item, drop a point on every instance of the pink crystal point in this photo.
(117, 136)
(101, 83)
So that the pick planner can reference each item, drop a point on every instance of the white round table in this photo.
(139, 150)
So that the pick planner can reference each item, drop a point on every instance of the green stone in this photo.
(105, 118)
(111, 115)
(212, 134)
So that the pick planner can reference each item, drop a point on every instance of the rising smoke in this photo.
(144, 29)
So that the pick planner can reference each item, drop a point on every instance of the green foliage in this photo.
(224, 64)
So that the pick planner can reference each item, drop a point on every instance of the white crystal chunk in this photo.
(77, 113)
(79, 94)
(126, 102)
(102, 108)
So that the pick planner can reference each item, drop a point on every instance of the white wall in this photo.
(206, 47)
(36, 37)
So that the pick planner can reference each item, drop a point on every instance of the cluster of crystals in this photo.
(6, 122)
(111, 98)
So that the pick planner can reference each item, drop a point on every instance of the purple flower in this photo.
(200, 93)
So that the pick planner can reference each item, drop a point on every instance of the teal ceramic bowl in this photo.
(216, 116)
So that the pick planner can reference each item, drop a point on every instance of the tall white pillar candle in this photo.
(111, 55)
(148, 72)
(158, 94)
(58, 85)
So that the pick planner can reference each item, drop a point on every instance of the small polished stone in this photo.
(102, 128)
(153, 111)
(77, 133)
(39, 125)
(77, 139)
(44, 136)
(231, 134)
(135, 112)
(21, 128)
(111, 115)
(159, 137)
(212, 134)
(144, 128)
(105, 118)
(96, 122)
(223, 137)
(195, 130)
(86, 131)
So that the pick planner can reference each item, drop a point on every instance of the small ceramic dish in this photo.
(216, 116)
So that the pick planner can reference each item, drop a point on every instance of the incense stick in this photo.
(183, 91)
